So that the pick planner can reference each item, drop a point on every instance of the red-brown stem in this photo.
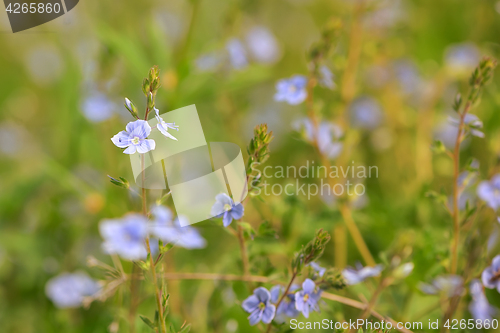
(283, 297)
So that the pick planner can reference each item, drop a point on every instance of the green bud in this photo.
(131, 108)
(121, 182)
(146, 86)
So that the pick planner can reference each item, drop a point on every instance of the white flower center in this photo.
(227, 207)
(135, 140)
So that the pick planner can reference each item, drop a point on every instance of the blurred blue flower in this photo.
(237, 53)
(491, 275)
(98, 107)
(356, 275)
(408, 77)
(125, 236)
(225, 207)
(327, 136)
(366, 113)
(208, 62)
(259, 306)
(480, 308)
(326, 77)
(287, 306)
(163, 126)
(292, 90)
(135, 138)
(449, 285)
(318, 269)
(68, 290)
(262, 45)
(168, 230)
(489, 191)
(462, 58)
(472, 123)
(307, 299)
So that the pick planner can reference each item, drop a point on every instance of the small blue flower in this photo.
(491, 275)
(125, 236)
(97, 107)
(208, 62)
(292, 90)
(287, 305)
(224, 207)
(163, 126)
(262, 45)
(307, 299)
(135, 138)
(237, 53)
(359, 274)
(480, 308)
(489, 191)
(366, 113)
(449, 285)
(69, 289)
(259, 306)
(326, 77)
(318, 269)
(471, 122)
(462, 58)
(170, 231)
(327, 136)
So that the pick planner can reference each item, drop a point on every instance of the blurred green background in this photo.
(61, 94)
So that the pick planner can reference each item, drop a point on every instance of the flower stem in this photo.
(294, 275)
(158, 292)
(244, 254)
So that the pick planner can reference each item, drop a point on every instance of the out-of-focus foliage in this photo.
(397, 66)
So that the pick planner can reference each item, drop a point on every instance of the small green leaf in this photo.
(148, 322)
(185, 329)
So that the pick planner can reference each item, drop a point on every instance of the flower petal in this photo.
(268, 313)
(121, 140)
(250, 304)
(308, 286)
(146, 145)
(262, 294)
(255, 317)
(227, 219)
(237, 211)
(130, 150)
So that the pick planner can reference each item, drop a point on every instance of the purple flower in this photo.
(168, 230)
(318, 269)
(237, 53)
(287, 305)
(292, 90)
(125, 236)
(480, 308)
(307, 299)
(449, 285)
(225, 207)
(366, 113)
(356, 275)
(69, 289)
(489, 191)
(135, 138)
(259, 306)
(327, 136)
(491, 275)
(163, 126)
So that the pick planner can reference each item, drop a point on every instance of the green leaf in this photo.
(185, 329)
(148, 322)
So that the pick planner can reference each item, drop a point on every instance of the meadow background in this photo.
(397, 65)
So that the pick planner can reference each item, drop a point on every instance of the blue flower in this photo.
(491, 275)
(237, 53)
(292, 90)
(307, 299)
(359, 274)
(259, 306)
(125, 236)
(135, 138)
(317, 268)
(262, 45)
(97, 107)
(480, 308)
(366, 113)
(448, 285)
(287, 305)
(170, 231)
(471, 122)
(489, 191)
(326, 77)
(69, 289)
(327, 136)
(163, 126)
(462, 58)
(224, 207)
